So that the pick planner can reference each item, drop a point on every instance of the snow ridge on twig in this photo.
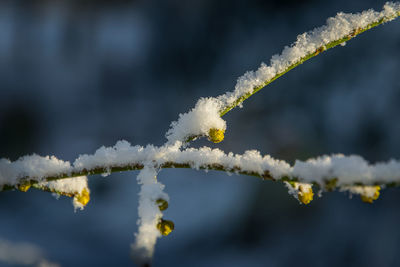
(339, 29)
(348, 173)
(347, 170)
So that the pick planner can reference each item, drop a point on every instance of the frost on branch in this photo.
(207, 112)
(338, 29)
(36, 168)
(197, 122)
(367, 193)
(76, 187)
(150, 215)
(348, 170)
(343, 170)
(346, 173)
(33, 166)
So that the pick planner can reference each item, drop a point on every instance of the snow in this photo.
(123, 154)
(69, 185)
(33, 166)
(206, 114)
(203, 117)
(338, 27)
(75, 186)
(149, 215)
(347, 170)
(37, 168)
(368, 191)
(352, 173)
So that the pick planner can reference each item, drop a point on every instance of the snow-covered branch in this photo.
(346, 170)
(337, 31)
(345, 173)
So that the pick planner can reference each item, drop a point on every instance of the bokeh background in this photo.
(76, 75)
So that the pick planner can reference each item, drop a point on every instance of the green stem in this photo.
(131, 167)
(32, 181)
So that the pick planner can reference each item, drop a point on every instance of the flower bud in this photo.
(24, 187)
(305, 194)
(216, 135)
(165, 227)
(162, 204)
(83, 197)
(375, 196)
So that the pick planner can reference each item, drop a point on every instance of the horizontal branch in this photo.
(32, 181)
(344, 170)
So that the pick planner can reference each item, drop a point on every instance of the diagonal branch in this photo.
(318, 50)
(205, 117)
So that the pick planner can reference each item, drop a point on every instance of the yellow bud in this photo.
(83, 197)
(165, 227)
(305, 194)
(216, 135)
(330, 185)
(162, 204)
(375, 196)
(24, 187)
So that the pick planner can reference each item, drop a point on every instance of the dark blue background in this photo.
(76, 75)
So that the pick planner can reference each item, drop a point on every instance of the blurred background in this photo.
(76, 75)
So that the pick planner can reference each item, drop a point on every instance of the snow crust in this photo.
(337, 27)
(367, 191)
(149, 215)
(38, 168)
(73, 186)
(206, 114)
(68, 185)
(198, 121)
(347, 169)
(34, 166)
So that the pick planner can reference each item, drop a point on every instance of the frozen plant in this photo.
(334, 172)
